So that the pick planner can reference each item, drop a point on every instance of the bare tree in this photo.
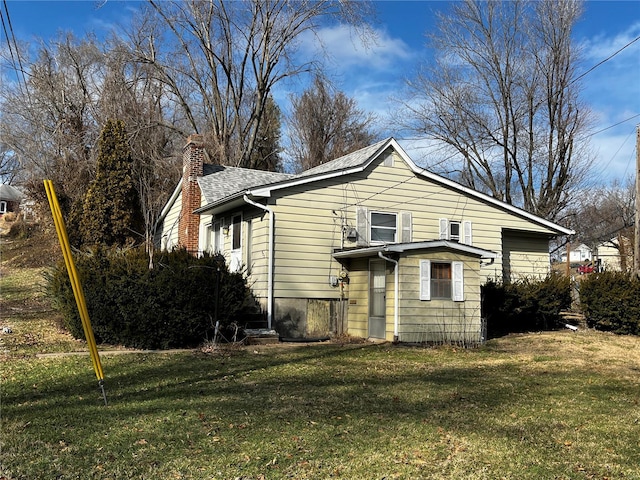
(226, 58)
(52, 121)
(326, 124)
(9, 166)
(48, 121)
(606, 215)
(503, 95)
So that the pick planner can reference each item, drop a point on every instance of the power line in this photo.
(605, 60)
(17, 67)
(615, 124)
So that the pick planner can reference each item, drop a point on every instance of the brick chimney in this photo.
(192, 168)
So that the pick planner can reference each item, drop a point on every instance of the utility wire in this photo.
(605, 60)
(17, 67)
(615, 124)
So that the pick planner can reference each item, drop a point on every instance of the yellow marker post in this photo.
(78, 293)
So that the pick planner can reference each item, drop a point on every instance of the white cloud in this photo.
(345, 49)
(612, 91)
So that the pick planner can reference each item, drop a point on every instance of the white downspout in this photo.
(396, 278)
(270, 261)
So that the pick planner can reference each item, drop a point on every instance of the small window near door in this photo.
(3, 207)
(454, 231)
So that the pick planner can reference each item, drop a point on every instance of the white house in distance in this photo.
(578, 254)
(368, 244)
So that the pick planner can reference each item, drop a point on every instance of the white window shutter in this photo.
(362, 226)
(467, 233)
(425, 280)
(458, 281)
(405, 220)
(444, 229)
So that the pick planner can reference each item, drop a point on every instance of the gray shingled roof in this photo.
(345, 162)
(219, 182)
(9, 193)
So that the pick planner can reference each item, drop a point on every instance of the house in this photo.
(9, 199)
(616, 254)
(368, 244)
(578, 254)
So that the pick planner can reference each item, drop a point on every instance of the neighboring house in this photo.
(368, 244)
(9, 199)
(610, 256)
(578, 254)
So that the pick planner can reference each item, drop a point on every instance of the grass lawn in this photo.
(558, 405)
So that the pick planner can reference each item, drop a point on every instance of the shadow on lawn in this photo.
(325, 380)
(188, 399)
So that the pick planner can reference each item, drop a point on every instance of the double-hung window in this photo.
(456, 231)
(383, 227)
(441, 280)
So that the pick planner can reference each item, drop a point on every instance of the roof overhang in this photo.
(266, 191)
(401, 248)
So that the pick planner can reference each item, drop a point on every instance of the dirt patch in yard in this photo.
(28, 245)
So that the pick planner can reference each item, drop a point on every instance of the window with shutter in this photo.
(362, 227)
(405, 220)
(441, 280)
(383, 227)
(454, 231)
(444, 229)
(467, 234)
(425, 280)
(458, 281)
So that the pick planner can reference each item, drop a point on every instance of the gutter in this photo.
(271, 255)
(396, 274)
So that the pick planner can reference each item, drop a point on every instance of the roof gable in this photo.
(220, 184)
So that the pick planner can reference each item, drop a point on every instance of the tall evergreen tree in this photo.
(266, 154)
(111, 213)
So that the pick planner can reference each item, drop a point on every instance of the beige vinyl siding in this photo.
(169, 233)
(438, 320)
(609, 257)
(309, 222)
(307, 233)
(524, 256)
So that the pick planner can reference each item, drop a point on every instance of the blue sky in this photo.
(373, 75)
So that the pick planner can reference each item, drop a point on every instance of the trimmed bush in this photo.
(176, 304)
(611, 302)
(526, 305)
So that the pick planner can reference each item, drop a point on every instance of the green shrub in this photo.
(172, 305)
(611, 302)
(525, 305)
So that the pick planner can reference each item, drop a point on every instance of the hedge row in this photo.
(525, 305)
(611, 302)
(173, 305)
